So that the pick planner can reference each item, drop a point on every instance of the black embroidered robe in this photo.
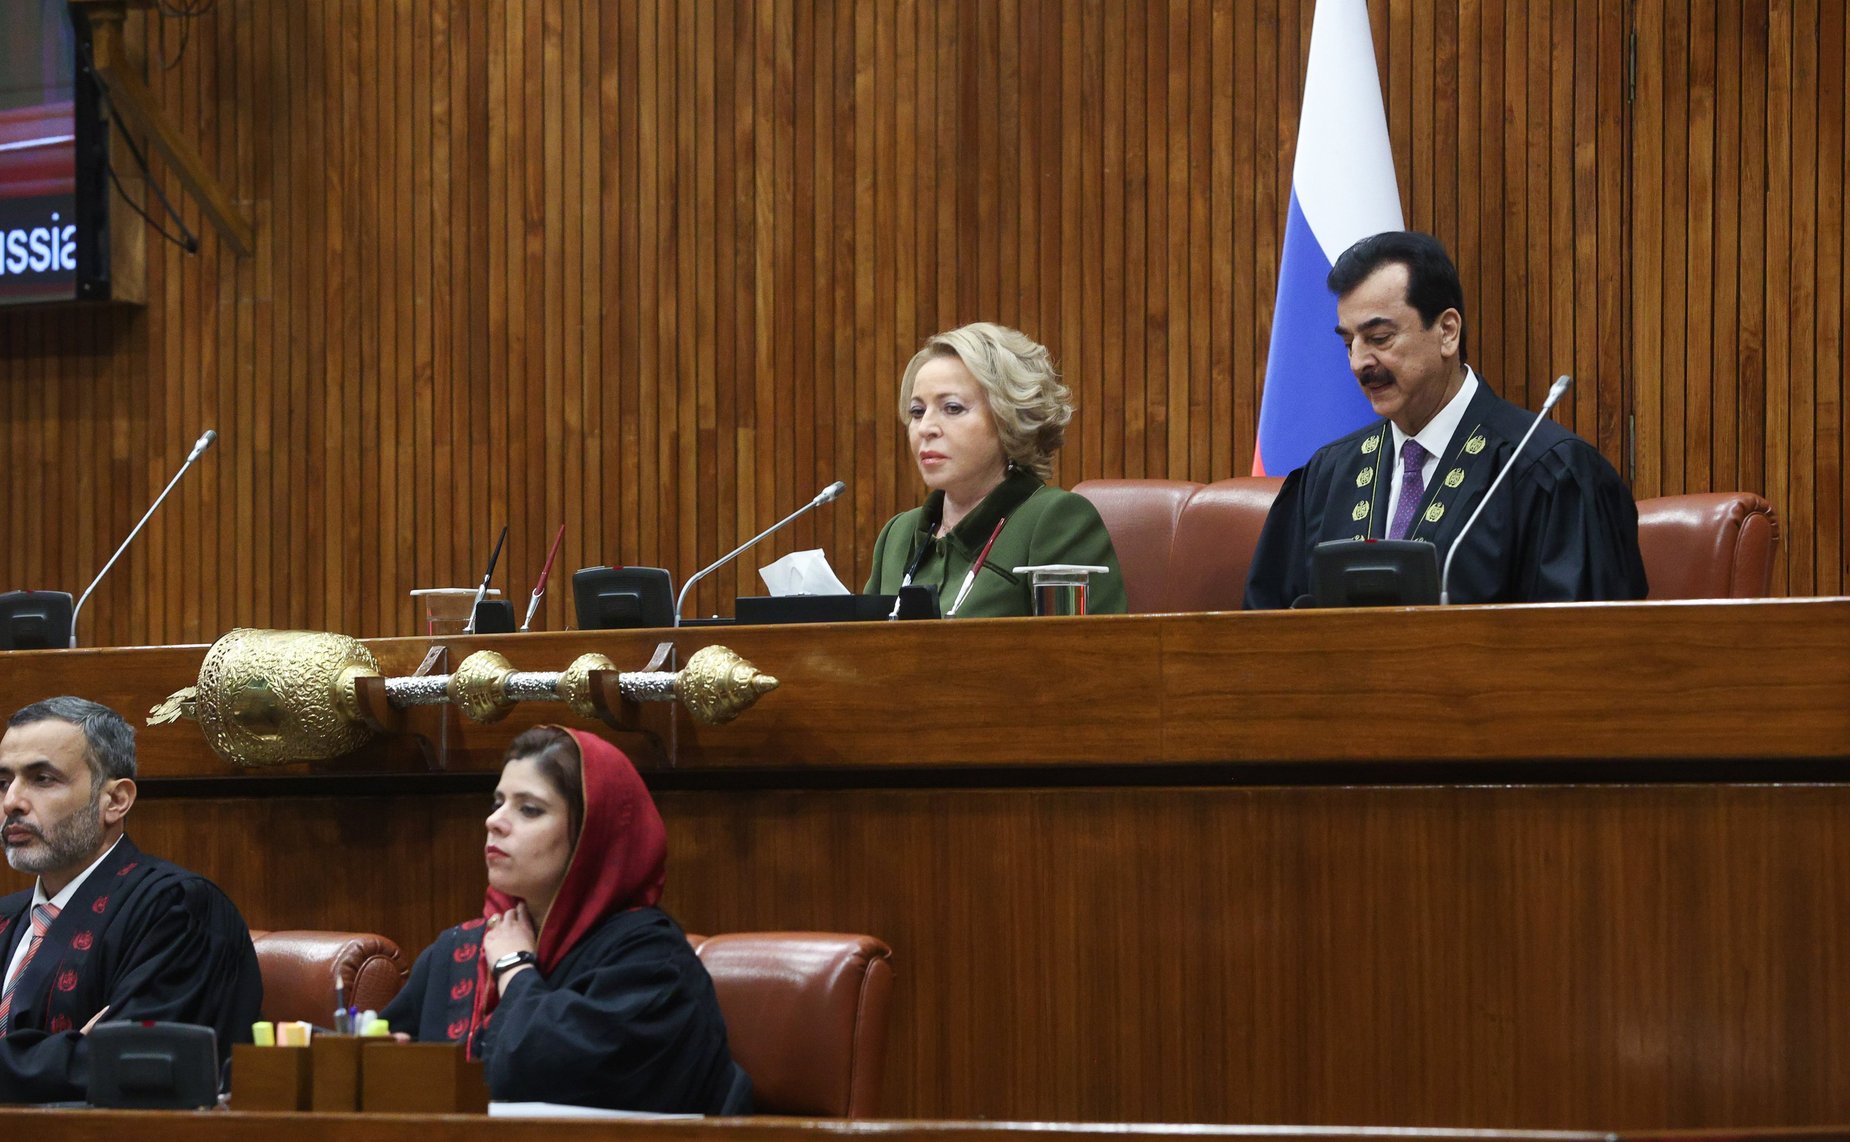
(1563, 527)
(628, 1020)
(141, 936)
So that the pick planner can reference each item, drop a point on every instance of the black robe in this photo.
(1563, 527)
(143, 937)
(628, 1020)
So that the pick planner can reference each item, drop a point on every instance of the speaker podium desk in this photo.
(1570, 867)
(212, 1126)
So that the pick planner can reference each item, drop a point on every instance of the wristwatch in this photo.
(511, 961)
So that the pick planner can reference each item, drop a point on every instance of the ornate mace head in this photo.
(271, 697)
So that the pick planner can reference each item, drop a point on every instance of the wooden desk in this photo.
(228, 1126)
(1721, 681)
(1579, 867)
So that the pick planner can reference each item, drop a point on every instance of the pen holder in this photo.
(494, 616)
(270, 1078)
(422, 1078)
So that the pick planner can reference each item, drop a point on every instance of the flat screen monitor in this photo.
(53, 174)
(35, 620)
(1374, 573)
(618, 598)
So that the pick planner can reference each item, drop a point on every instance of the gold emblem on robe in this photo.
(1360, 512)
(1364, 477)
(1435, 513)
(1474, 445)
(1369, 445)
(1455, 477)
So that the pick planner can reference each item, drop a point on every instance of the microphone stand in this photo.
(825, 496)
(199, 447)
(1555, 393)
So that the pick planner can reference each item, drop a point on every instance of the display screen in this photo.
(39, 184)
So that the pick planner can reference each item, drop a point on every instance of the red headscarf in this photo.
(618, 863)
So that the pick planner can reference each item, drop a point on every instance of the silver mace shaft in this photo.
(716, 685)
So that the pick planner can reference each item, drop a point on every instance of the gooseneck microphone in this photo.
(912, 569)
(826, 495)
(1555, 393)
(199, 449)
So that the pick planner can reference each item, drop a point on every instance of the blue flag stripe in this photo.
(1310, 395)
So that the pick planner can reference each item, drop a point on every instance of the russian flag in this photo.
(1342, 190)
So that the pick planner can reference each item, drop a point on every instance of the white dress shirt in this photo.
(1436, 437)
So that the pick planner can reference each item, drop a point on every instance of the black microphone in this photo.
(199, 449)
(826, 495)
(1555, 393)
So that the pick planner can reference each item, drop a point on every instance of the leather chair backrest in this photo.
(1187, 547)
(1214, 543)
(1708, 545)
(1141, 517)
(299, 969)
(1183, 546)
(806, 1017)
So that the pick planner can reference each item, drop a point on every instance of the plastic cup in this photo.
(1060, 588)
(446, 609)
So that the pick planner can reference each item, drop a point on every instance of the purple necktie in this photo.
(1412, 488)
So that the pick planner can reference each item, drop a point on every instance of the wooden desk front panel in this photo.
(1713, 681)
(185, 1126)
(1717, 680)
(1491, 952)
(1469, 955)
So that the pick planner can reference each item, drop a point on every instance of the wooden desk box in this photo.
(421, 1078)
(270, 1078)
(336, 1078)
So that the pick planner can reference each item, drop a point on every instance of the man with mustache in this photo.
(1562, 527)
(107, 932)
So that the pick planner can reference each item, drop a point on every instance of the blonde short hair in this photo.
(1028, 403)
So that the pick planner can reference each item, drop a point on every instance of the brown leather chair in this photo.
(1183, 546)
(1708, 545)
(299, 970)
(806, 1016)
(1214, 543)
(1141, 517)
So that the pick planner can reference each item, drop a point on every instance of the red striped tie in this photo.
(42, 916)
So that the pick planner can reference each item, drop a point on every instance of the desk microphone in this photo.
(912, 569)
(199, 449)
(826, 495)
(1555, 393)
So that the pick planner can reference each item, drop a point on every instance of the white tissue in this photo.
(802, 573)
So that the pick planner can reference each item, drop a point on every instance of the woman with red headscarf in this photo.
(572, 986)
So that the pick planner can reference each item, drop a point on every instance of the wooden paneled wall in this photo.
(1738, 252)
(652, 269)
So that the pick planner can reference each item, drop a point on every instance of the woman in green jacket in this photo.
(984, 413)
